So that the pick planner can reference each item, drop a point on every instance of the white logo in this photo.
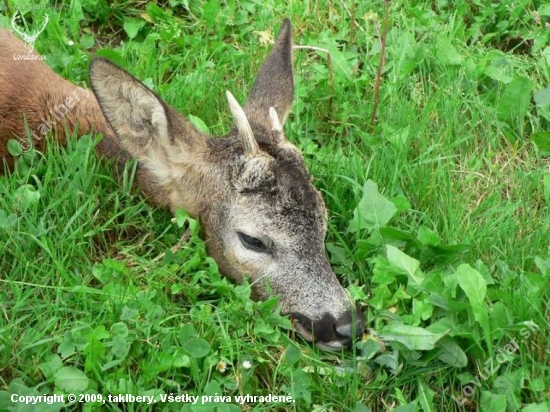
(30, 39)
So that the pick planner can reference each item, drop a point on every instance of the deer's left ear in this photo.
(144, 124)
(274, 85)
(146, 127)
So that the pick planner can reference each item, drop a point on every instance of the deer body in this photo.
(30, 90)
(260, 213)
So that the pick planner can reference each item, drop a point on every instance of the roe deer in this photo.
(260, 213)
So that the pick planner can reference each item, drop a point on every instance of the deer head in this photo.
(261, 215)
(28, 39)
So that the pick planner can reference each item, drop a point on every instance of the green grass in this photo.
(92, 300)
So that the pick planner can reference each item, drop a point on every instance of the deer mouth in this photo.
(308, 336)
(328, 333)
(302, 330)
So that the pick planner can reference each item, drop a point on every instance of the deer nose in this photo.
(329, 332)
(350, 327)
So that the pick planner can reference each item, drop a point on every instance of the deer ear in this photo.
(145, 126)
(274, 85)
(134, 112)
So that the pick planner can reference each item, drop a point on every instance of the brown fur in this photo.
(261, 215)
(29, 89)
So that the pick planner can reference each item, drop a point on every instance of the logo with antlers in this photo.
(29, 39)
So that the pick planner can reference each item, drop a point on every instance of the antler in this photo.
(276, 125)
(243, 126)
(29, 39)
(46, 20)
(14, 25)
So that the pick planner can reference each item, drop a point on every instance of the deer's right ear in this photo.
(274, 85)
(145, 126)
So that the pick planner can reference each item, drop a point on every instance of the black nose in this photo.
(331, 333)
(350, 327)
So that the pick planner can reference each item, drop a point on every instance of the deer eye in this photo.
(252, 243)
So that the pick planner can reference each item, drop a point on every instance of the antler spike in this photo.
(278, 134)
(14, 25)
(250, 144)
(276, 125)
(46, 20)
